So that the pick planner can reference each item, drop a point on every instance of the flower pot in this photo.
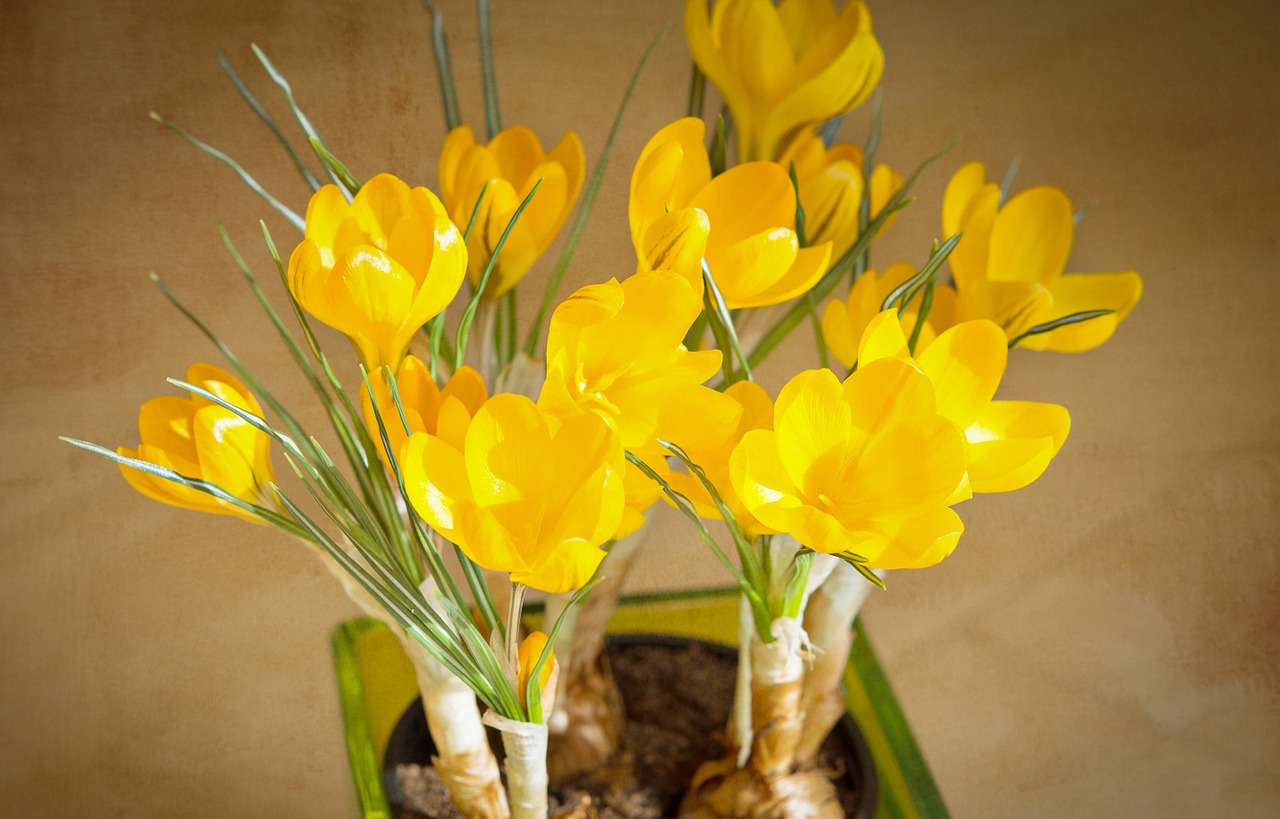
(385, 727)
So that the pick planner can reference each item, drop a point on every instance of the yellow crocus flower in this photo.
(742, 221)
(757, 413)
(844, 322)
(616, 350)
(509, 166)
(831, 182)
(1009, 265)
(785, 67)
(1009, 443)
(200, 439)
(378, 268)
(867, 467)
(521, 491)
(424, 403)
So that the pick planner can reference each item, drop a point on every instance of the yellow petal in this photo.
(837, 332)
(435, 479)
(1012, 442)
(883, 338)
(508, 452)
(761, 480)
(672, 167)
(908, 466)
(531, 649)
(744, 201)
(965, 365)
(923, 541)
(885, 183)
(226, 446)
(166, 423)
(809, 266)
(567, 568)
(381, 204)
(677, 241)
(1087, 291)
(969, 259)
(518, 151)
(468, 387)
(813, 425)
(457, 143)
(960, 190)
(885, 391)
(1031, 237)
(751, 266)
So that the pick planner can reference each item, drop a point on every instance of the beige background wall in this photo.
(1102, 644)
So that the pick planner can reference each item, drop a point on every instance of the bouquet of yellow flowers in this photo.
(475, 466)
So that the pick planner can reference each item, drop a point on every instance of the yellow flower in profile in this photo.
(757, 413)
(509, 166)
(785, 67)
(844, 322)
(616, 350)
(200, 439)
(1010, 443)
(831, 183)
(379, 268)
(866, 468)
(530, 650)
(1009, 266)
(521, 491)
(425, 405)
(742, 221)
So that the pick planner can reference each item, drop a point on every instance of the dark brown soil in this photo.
(678, 700)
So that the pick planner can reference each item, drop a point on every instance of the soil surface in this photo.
(678, 701)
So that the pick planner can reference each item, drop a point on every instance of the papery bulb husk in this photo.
(726, 791)
(828, 621)
(526, 746)
(464, 760)
(777, 675)
(588, 723)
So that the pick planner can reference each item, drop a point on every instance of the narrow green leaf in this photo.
(335, 167)
(469, 313)
(1048, 326)
(719, 147)
(247, 95)
(1006, 184)
(532, 693)
(198, 484)
(721, 318)
(697, 92)
(278, 206)
(584, 210)
(492, 111)
(444, 67)
(307, 128)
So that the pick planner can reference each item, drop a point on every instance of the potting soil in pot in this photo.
(678, 699)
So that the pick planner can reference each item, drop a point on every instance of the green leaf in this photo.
(584, 210)
(247, 95)
(444, 67)
(1006, 184)
(492, 112)
(307, 128)
(721, 321)
(697, 92)
(335, 167)
(278, 206)
(1049, 326)
(469, 313)
(532, 694)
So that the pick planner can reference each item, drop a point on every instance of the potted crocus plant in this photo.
(532, 466)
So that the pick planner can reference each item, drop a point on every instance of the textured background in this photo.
(1104, 643)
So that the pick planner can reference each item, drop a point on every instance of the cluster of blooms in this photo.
(866, 468)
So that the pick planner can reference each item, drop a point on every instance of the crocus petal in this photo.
(883, 338)
(838, 334)
(566, 568)
(813, 424)
(960, 190)
(166, 423)
(965, 365)
(744, 201)
(508, 452)
(923, 541)
(676, 241)
(672, 167)
(1087, 291)
(809, 266)
(761, 480)
(468, 387)
(1031, 237)
(518, 151)
(968, 260)
(1012, 442)
(457, 144)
